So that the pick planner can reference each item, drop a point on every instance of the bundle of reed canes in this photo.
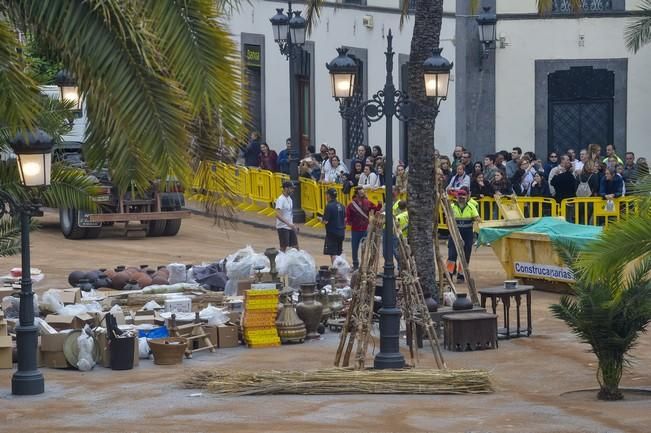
(340, 381)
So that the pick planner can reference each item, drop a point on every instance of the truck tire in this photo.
(156, 228)
(69, 224)
(172, 227)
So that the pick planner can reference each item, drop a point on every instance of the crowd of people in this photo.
(563, 175)
(366, 169)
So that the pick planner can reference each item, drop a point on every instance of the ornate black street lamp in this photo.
(289, 33)
(486, 25)
(389, 103)
(34, 153)
(68, 89)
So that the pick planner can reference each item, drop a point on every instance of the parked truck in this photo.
(158, 211)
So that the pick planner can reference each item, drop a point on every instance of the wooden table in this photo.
(505, 295)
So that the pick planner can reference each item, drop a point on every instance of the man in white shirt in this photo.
(579, 163)
(284, 218)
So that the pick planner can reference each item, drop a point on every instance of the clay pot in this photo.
(85, 285)
(109, 273)
(150, 272)
(102, 281)
(119, 280)
(131, 285)
(132, 270)
(462, 302)
(137, 275)
(159, 281)
(144, 281)
(120, 268)
(309, 310)
(75, 276)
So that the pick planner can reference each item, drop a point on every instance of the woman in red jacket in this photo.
(357, 213)
(268, 159)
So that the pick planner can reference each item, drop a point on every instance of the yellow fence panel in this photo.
(310, 200)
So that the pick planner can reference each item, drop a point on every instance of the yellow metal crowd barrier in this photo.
(257, 190)
(596, 210)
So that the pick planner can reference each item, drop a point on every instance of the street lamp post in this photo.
(289, 33)
(34, 152)
(389, 103)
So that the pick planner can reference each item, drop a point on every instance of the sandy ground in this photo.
(532, 376)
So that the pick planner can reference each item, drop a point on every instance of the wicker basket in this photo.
(169, 350)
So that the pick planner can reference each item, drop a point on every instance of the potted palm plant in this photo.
(608, 312)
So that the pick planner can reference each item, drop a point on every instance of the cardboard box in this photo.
(228, 336)
(60, 322)
(52, 350)
(243, 286)
(7, 291)
(3, 327)
(141, 317)
(53, 342)
(70, 296)
(6, 349)
(54, 360)
(213, 334)
(180, 304)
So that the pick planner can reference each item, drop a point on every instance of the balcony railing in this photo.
(587, 6)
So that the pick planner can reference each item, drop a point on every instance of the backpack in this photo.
(583, 190)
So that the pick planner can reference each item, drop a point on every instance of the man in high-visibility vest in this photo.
(464, 214)
(402, 221)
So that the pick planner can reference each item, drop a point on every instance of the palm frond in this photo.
(10, 230)
(114, 58)
(9, 236)
(70, 188)
(621, 243)
(638, 32)
(313, 13)
(19, 98)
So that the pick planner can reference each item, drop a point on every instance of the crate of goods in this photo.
(259, 319)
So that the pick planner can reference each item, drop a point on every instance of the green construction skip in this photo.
(555, 228)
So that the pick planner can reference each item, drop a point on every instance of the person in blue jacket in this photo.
(612, 185)
(283, 157)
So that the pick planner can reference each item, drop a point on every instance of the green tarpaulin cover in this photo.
(553, 227)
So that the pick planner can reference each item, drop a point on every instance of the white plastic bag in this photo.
(214, 315)
(73, 310)
(51, 301)
(281, 263)
(448, 299)
(239, 266)
(343, 268)
(177, 272)
(86, 349)
(143, 348)
(151, 305)
(93, 307)
(301, 268)
(11, 306)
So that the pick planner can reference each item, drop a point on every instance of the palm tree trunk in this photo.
(609, 373)
(427, 30)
